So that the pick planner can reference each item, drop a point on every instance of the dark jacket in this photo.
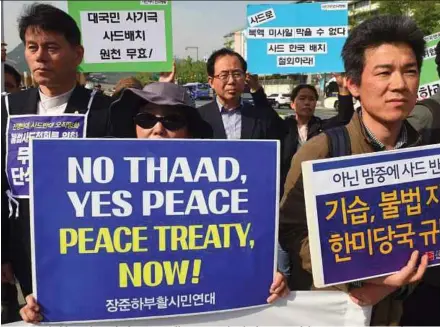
(258, 121)
(315, 126)
(16, 243)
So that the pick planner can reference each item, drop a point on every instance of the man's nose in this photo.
(230, 79)
(41, 54)
(397, 81)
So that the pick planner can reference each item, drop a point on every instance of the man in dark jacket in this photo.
(58, 108)
(305, 125)
(227, 115)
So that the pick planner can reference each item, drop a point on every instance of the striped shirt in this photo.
(402, 140)
(231, 120)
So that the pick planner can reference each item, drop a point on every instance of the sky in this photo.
(195, 23)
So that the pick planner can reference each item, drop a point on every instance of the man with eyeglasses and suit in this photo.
(228, 116)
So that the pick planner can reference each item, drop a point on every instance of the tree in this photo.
(145, 78)
(427, 16)
(228, 44)
(395, 7)
(425, 13)
(188, 71)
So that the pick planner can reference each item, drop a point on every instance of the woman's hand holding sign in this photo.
(278, 288)
(30, 313)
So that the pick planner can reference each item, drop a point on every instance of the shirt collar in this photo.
(56, 101)
(402, 139)
(222, 109)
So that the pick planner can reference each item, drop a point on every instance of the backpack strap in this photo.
(434, 108)
(338, 142)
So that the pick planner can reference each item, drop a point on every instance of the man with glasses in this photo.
(227, 115)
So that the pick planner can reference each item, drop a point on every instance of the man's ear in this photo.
(210, 81)
(353, 87)
(292, 105)
(79, 51)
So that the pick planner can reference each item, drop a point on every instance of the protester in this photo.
(10, 306)
(382, 58)
(53, 52)
(160, 110)
(227, 115)
(12, 79)
(425, 117)
(305, 125)
(299, 128)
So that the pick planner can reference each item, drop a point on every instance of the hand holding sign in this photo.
(278, 288)
(30, 313)
(168, 77)
(376, 289)
(408, 274)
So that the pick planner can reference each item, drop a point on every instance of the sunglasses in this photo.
(170, 122)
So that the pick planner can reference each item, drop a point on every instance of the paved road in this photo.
(321, 112)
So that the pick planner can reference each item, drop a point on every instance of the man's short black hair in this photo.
(299, 87)
(437, 57)
(50, 19)
(220, 53)
(12, 71)
(376, 31)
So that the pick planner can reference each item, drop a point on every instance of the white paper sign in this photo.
(123, 36)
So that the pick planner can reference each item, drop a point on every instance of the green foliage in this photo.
(145, 78)
(425, 13)
(427, 16)
(188, 71)
(228, 44)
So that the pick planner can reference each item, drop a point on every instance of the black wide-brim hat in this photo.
(124, 109)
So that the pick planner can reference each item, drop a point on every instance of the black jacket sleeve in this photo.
(276, 126)
(345, 112)
(260, 99)
(4, 187)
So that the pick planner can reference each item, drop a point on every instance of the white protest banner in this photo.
(124, 36)
(309, 308)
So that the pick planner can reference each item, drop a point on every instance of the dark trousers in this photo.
(422, 307)
(10, 306)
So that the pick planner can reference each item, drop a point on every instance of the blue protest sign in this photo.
(296, 38)
(127, 229)
(368, 213)
(20, 129)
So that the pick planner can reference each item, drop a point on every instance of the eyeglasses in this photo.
(170, 122)
(236, 75)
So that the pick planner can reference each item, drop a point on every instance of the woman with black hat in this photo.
(159, 110)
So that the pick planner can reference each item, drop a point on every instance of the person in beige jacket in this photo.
(382, 58)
